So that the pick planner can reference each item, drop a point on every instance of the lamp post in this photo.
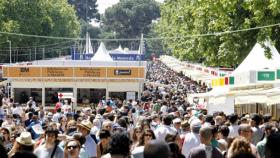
(10, 47)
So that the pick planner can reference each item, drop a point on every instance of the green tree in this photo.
(86, 9)
(129, 19)
(185, 19)
(40, 17)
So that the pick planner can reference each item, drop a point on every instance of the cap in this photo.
(177, 120)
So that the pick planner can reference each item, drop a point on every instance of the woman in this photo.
(239, 145)
(72, 149)
(62, 124)
(146, 137)
(104, 136)
(22, 143)
(7, 142)
(136, 135)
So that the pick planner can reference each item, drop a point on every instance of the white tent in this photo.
(101, 54)
(256, 60)
(88, 48)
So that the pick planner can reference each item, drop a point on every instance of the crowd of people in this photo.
(160, 124)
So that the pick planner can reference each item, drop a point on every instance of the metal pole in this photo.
(29, 54)
(10, 46)
(43, 53)
(35, 52)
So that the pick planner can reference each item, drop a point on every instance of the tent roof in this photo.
(257, 60)
(101, 54)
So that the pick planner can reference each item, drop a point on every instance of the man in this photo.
(31, 102)
(57, 115)
(233, 128)
(245, 131)
(165, 129)
(268, 129)
(257, 132)
(177, 125)
(192, 139)
(50, 148)
(205, 149)
(31, 126)
(90, 145)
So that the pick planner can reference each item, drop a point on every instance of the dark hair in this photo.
(21, 154)
(104, 134)
(156, 149)
(233, 118)
(224, 130)
(22, 147)
(271, 147)
(3, 152)
(175, 151)
(170, 137)
(243, 155)
(52, 130)
(119, 144)
(257, 118)
(167, 120)
(79, 137)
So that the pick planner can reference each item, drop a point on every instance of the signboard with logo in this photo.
(57, 72)
(266, 75)
(90, 72)
(23, 72)
(74, 72)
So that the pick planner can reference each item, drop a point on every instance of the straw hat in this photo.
(25, 139)
(86, 124)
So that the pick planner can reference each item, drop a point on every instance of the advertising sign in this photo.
(57, 72)
(90, 72)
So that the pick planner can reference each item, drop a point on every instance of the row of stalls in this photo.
(253, 87)
(81, 82)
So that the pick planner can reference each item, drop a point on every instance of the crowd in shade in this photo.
(160, 124)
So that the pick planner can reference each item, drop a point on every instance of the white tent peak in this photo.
(88, 47)
(256, 59)
(101, 54)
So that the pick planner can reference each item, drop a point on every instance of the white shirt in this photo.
(163, 109)
(90, 146)
(56, 116)
(163, 130)
(233, 131)
(191, 141)
(17, 110)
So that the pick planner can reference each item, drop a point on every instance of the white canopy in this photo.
(101, 54)
(256, 60)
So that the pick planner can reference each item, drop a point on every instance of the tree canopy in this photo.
(86, 9)
(40, 17)
(129, 19)
(191, 20)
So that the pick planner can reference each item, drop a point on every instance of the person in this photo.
(51, 148)
(205, 149)
(35, 121)
(147, 136)
(223, 138)
(79, 137)
(72, 149)
(268, 129)
(90, 145)
(257, 134)
(272, 146)
(233, 128)
(165, 129)
(192, 139)
(119, 146)
(31, 102)
(102, 146)
(239, 145)
(7, 142)
(175, 139)
(23, 143)
(175, 151)
(245, 131)
(156, 149)
(21, 154)
(3, 151)
(136, 135)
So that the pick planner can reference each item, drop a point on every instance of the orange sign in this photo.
(57, 72)
(22, 72)
(90, 72)
(125, 72)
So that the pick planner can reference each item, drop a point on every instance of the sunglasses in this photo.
(72, 147)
